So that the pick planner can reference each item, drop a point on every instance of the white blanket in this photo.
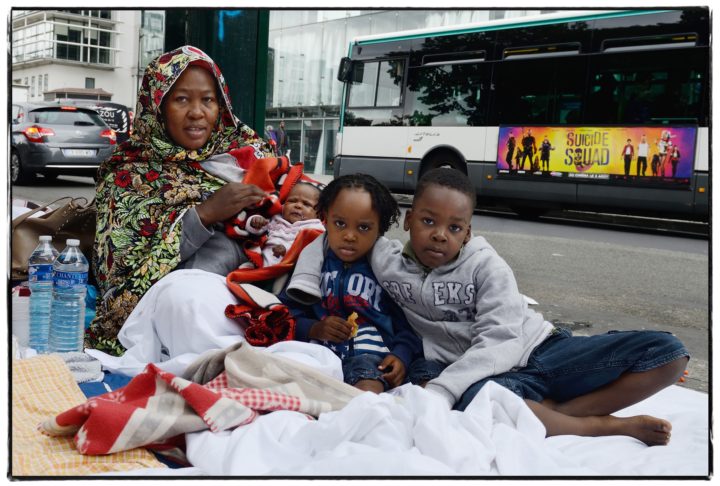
(381, 435)
(376, 435)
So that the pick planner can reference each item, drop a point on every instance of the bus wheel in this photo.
(442, 159)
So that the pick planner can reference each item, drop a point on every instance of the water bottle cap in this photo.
(72, 242)
(45, 238)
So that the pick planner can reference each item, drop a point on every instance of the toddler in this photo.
(377, 351)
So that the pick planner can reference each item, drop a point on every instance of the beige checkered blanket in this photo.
(43, 386)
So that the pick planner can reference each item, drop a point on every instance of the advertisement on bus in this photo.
(659, 155)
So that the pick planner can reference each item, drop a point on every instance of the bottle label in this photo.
(69, 279)
(40, 273)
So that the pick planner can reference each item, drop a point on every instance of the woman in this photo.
(157, 207)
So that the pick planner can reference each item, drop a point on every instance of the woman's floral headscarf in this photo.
(145, 187)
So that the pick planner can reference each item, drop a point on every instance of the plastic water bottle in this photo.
(40, 273)
(67, 317)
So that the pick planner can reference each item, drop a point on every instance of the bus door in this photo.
(657, 95)
(446, 109)
(537, 95)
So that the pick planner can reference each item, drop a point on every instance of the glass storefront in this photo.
(312, 142)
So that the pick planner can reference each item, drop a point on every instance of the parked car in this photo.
(117, 116)
(52, 139)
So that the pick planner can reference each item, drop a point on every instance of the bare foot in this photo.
(651, 430)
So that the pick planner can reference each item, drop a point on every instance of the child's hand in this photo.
(395, 370)
(278, 251)
(258, 222)
(334, 329)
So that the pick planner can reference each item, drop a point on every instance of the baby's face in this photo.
(301, 203)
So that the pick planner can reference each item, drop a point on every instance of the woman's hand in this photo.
(333, 328)
(228, 201)
(395, 373)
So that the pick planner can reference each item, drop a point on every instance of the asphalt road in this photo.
(591, 280)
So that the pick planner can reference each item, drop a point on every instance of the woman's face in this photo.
(191, 108)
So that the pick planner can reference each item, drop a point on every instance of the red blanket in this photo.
(157, 408)
(275, 176)
(267, 320)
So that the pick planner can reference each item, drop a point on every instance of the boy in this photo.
(462, 299)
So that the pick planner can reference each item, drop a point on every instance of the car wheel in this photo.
(18, 174)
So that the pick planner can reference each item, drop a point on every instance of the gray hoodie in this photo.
(469, 312)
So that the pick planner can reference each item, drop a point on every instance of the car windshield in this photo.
(65, 117)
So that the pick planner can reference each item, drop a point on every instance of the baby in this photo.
(298, 213)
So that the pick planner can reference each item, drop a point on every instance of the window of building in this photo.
(32, 86)
(104, 54)
(45, 83)
(68, 37)
(90, 83)
(101, 14)
(152, 36)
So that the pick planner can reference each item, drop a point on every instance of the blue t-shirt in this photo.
(348, 288)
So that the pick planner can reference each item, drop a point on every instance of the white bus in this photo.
(597, 110)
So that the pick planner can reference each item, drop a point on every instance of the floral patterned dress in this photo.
(144, 189)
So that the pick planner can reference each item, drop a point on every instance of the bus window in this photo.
(376, 84)
(375, 94)
(539, 91)
(362, 89)
(447, 95)
(647, 87)
(389, 83)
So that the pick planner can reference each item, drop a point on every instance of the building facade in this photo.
(83, 54)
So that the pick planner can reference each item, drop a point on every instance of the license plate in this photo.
(79, 152)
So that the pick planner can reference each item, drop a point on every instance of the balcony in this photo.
(65, 37)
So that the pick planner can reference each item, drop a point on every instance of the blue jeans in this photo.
(423, 370)
(363, 367)
(565, 366)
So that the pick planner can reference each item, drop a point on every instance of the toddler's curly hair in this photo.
(383, 203)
